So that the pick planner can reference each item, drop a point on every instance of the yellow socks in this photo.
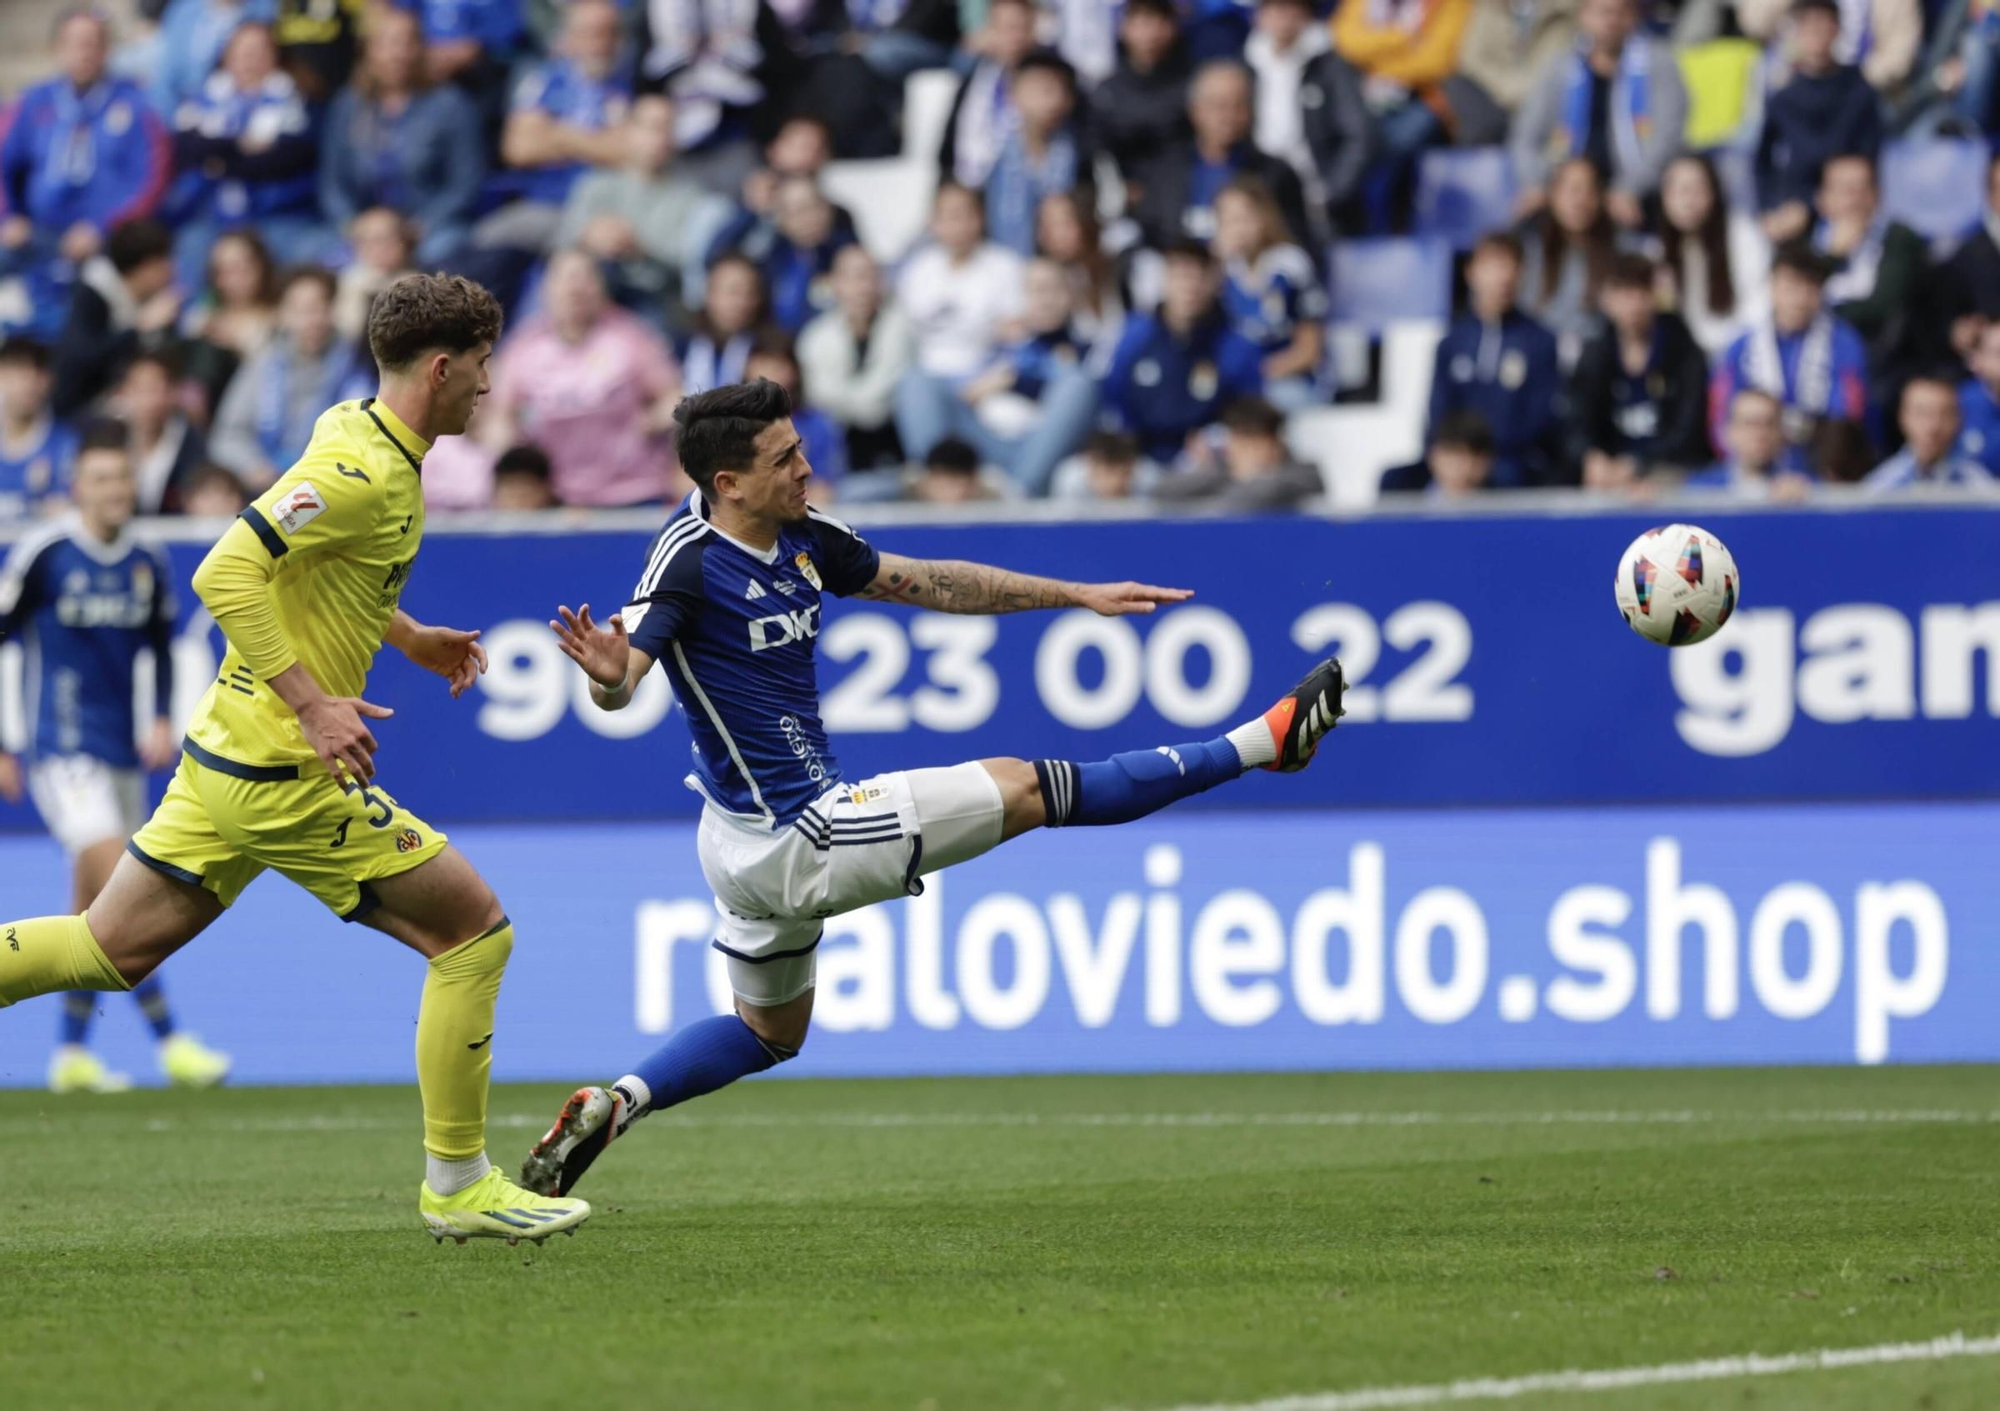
(50, 953)
(455, 1043)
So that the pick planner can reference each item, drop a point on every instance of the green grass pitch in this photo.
(1050, 1243)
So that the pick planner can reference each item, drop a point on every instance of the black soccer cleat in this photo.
(589, 1122)
(1302, 719)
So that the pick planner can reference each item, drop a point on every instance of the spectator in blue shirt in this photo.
(1042, 154)
(193, 35)
(1755, 470)
(794, 248)
(1499, 362)
(36, 450)
(1929, 419)
(1178, 188)
(1815, 364)
(1175, 370)
(1827, 110)
(568, 116)
(83, 152)
(392, 139)
(267, 415)
(1271, 292)
(246, 151)
(470, 44)
(1979, 402)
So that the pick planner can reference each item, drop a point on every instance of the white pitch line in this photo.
(1750, 1364)
(1831, 1117)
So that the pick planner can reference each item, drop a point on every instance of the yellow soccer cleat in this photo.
(493, 1207)
(186, 1062)
(75, 1069)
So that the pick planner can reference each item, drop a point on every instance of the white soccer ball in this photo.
(1677, 586)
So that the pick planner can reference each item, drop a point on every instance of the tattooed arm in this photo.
(952, 585)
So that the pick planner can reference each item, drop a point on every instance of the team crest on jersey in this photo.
(807, 571)
(409, 840)
(300, 507)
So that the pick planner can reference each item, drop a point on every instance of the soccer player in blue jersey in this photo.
(729, 606)
(85, 599)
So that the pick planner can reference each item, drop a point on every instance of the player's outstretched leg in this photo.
(185, 1061)
(1132, 785)
(431, 908)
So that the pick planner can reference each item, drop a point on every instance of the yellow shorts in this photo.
(222, 823)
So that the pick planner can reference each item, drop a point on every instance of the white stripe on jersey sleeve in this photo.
(670, 544)
(27, 549)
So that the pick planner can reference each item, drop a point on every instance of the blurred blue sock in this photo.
(1134, 784)
(79, 1007)
(702, 1057)
(152, 997)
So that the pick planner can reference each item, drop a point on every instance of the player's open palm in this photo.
(1126, 599)
(603, 652)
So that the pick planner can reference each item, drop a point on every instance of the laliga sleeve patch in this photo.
(301, 505)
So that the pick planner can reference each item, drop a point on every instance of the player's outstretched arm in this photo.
(615, 667)
(452, 654)
(953, 585)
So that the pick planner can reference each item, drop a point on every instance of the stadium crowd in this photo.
(1123, 290)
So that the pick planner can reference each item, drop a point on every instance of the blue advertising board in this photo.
(1490, 666)
(1192, 940)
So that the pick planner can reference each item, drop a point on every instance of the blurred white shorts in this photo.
(85, 801)
(853, 846)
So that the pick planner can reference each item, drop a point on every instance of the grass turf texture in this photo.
(922, 1244)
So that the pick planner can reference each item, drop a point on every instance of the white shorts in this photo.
(857, 845)
(85, 801)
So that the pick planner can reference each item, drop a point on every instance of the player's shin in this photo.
(702, 1057)
(455, 1055)
(51, 953)
(1134, 784)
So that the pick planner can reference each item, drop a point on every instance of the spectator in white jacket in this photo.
(852, 356)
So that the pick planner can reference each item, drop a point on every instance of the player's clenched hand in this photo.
(1124, 599)
(334, 727)
(452, 654)
(159, 749)
(604, 653)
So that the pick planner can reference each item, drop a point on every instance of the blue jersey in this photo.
(735, 629)
(35, 470)
(1267, 300)
(560, 88)
(82, 611)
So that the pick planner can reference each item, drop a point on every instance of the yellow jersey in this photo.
(312, 573)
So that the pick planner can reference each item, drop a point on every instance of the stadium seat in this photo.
(890, 199)
(1464, 193)
(1400, 280)
(1937, 188)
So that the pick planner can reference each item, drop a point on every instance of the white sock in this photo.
(451, 1177)
(638, 1098)
(1254, 743)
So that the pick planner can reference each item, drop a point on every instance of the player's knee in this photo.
(1020, 787)
(781, 1028)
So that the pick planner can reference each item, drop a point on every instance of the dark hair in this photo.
(703, 325)
(104, 433)
(310, 274)
(1628, 270)
(16, 349)
(774, 343)
(717, 431)
(165, 359)
(1598, 242)
(1802, 8)
(1498, 242)
(1186, 247)
(209, 472)
(1940, 379)
(1802, 259)
(137, 242)
(1258, 193)
(420, 312)
(525, 458)
(1116, 447)
(1464, 430)
(953, 457)
(1712, 239)
(1874, 169)
(267, 268)
(1047, 60)
(1253, 416)
(1841, 451)
(1163, 9)
(1094, 264)
(950, 186)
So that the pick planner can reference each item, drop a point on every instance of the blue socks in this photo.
(1132, 785)
(80, 1007)
(700, 1058)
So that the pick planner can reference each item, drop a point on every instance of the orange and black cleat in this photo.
(1300, 720)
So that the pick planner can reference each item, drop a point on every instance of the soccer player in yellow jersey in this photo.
(278, 767)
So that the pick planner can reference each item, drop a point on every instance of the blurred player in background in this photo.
(278, 767)
(729, 605)
(85, 600)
